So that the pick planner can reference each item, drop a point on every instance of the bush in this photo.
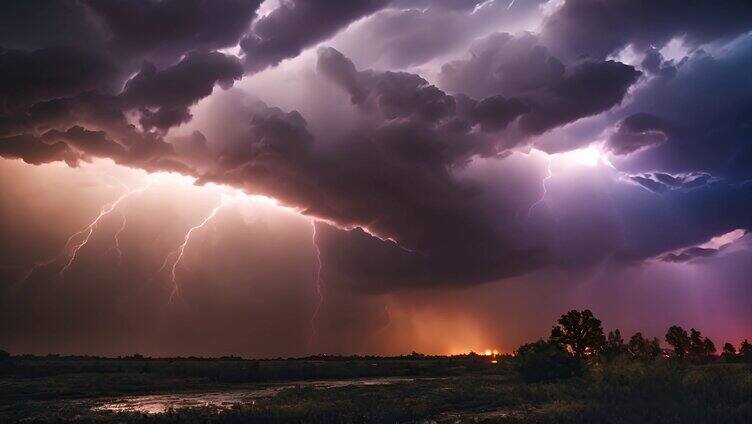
(543, 360)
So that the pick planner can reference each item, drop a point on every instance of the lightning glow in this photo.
(548, 176)
(589, 156)
(89, 229)
(319, 292)
(116, 247)
(178, 253)
(36, 266)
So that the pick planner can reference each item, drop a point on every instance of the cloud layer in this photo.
(418, 139)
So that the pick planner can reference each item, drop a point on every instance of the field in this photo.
(406, 389)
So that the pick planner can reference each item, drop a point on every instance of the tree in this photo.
(745, 350)
(580, 333)
(654, 348)
(708, 347)
(638, 346)
(4, 356)
(641, 347)
(679, 340)
(614, 344)
(729, 351)
(542, 360)
(696, 343)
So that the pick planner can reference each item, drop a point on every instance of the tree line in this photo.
(578, 337)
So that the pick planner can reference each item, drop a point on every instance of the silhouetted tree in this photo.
(544, 360)
(745, 350)
(638, 346)
(729, 352)
(709, 347)
(679, 340)
(614, 344)
(580, 333)
(641, 347)
(654, 348)
(4, 356)
(696, 343)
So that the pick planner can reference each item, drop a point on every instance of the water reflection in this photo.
(160, 403)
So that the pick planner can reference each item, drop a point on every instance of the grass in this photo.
(445, 390)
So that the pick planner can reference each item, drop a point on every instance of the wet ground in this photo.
(160, 403)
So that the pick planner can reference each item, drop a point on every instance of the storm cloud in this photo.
(414, 148)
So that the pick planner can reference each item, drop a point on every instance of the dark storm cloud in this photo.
(597, 28)
(395, 172)
(698, 120)
(297, 24)
(402, 95)
(161, 97)
(147, 151)
(127, 31)
(586, 89)
(173, 89)
(35, 24)
(30, 76)
(139, 28)
(636, 132)
(411, 33)
(654, 64)
(553, 93)
(356, 260)
(493, 113)
(185, 83)
(94, 143)
(392, 178)
(502, 64)
(32, 150)
(394, 175)
(682, 217)
(582, 90)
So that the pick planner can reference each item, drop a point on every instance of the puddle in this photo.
(160, 403)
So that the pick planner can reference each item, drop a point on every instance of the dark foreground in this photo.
(460, 389)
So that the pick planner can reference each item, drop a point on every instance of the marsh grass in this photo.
(619, 391)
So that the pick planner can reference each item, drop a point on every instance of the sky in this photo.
(292, 177)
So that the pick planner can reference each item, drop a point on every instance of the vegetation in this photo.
(578, 375)
(545, 360)
(580, 333)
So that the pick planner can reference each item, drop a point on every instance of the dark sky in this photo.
(289, 177)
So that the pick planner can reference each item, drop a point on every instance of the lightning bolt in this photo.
(319, 292)
(89, 229)
(543, 185)
(116, 246)
(388, 318)
(178, 253)
(36, 266)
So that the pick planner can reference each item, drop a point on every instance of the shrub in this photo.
(541, 360)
